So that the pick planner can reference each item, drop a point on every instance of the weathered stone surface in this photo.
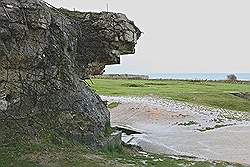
(44, 52)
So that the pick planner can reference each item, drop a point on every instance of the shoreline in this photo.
(183, 128)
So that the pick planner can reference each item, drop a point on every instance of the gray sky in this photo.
(181, 35)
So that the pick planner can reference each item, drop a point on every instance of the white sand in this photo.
(184, 129)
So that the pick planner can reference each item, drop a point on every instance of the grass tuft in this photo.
(113, 105)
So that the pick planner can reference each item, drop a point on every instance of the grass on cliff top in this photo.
(214, 94)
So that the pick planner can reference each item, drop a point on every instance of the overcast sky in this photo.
(181, 35)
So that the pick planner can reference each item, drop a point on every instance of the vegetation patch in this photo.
(77, 155)
(215, 127)
(156, 83)
(113, 105)
(207, 93)
(138, 158)
(133, 85)
(188, 123)
(203, 83)
(108, 130)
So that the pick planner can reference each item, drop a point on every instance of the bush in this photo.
(232, 77)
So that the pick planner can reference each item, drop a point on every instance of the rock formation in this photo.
(45, 55)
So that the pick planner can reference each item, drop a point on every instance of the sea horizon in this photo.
(198, 76)
(192, 75)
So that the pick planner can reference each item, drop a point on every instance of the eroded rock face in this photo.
(44, 52)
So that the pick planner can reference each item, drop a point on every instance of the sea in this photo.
(198, 76)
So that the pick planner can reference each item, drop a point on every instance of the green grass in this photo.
(113, 105)
(72, 154)
(36, 155)
(69, 153)
(214, 94)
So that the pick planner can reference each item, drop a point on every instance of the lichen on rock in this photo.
(45, 53)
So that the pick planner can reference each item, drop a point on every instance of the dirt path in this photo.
(172, 127)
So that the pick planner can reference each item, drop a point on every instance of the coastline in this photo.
(176, 76)
(178, 128)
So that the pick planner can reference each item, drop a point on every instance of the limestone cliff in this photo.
(45, 54)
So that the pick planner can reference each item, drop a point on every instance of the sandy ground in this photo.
(178, 128)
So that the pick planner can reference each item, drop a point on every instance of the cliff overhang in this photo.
(43, 53)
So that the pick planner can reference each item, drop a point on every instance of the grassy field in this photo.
(68, 153)
(77, 155)
(214, 94)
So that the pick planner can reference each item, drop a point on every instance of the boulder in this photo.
(46, 54)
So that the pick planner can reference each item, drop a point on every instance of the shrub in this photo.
(232, 77)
